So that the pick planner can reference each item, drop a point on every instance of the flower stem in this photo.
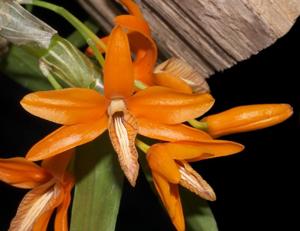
(44, 69)
(199, 125)
(91, 39)
(142, 146)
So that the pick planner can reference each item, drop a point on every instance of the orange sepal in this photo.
(170, 197)
(67, 137)
(165, 105)
(247, 118)
(167, 80)
(170, 132)
(118, 68)
(67, 106)
(22, 173)
(195, 151)
(161, 163)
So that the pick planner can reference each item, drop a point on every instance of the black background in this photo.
(256, 189)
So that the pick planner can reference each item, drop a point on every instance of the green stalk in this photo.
(91, 39)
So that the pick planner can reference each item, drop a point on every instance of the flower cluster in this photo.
(139, 98)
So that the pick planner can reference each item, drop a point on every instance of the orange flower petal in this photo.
(67, 137)
(164, 105)
(170, 132)
(162, 164)
(58, 164)
(61, 219)
(194, 151)
(67, 106)
(118, 69)
(142, 44)
(247, 118)
(36, 203)
(132, 7)
(22, 173)
(42, 222)
(167, 80)
(170, 197)
(122, 132)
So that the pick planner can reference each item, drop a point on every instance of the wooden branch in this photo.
(211, 35)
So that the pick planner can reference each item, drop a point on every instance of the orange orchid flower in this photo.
(247, 118)
(169, 165)
(173, 73)
(50, 189)
(86, 114)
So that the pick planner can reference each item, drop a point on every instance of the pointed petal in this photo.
(179, 69)
(122, 131)
(164, 105)
(58, 164)
(65, 138)
(194, 151)
(132, 7)
(161, 163)
(118, 69)
(35, 203)
(192, 180)
(142, 44)
(42, 222)
(67, 106)
(61, 219)
(170, 197)
(170, 132)
(247, 118)
(22, 173)
(165, 79)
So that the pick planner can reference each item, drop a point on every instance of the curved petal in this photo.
(160, 162)
(65, 138)
(167, 80)
(22, 173)
(170, 132)
(194, 151)
(170, 197)
(132, 7)
(67, 106)
(165, 105)
(118, 69)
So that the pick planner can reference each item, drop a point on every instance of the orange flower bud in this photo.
(247, 118)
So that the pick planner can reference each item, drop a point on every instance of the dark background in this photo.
(256, 189)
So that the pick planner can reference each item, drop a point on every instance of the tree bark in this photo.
(211, 35)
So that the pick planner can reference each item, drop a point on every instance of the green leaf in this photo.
(198, 215)
(22, 66)
(98, 188)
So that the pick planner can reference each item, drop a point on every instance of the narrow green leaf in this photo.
(22, 67)
(198, 215)
(98, 188)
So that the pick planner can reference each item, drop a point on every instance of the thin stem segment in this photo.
(199, 125)
(91, 39)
